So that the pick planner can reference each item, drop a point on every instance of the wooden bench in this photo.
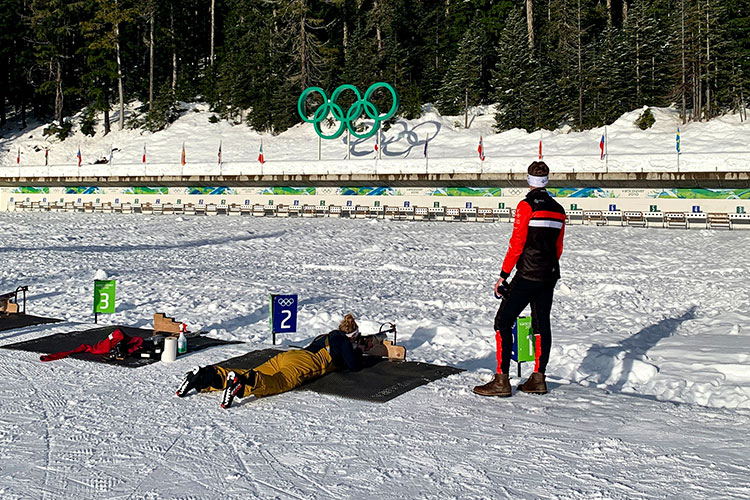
(718, 220)
(485, 214)
(361, 211)
(594, 216)
(675, 220)
(635, 219)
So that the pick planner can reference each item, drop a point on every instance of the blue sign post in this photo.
(283, 317)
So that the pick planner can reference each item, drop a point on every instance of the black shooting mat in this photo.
(12, 321)
(380, 380)
(59, 342)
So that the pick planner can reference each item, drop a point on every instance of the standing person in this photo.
(535, 248)
(283, 372)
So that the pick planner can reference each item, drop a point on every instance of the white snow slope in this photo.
(717, 145)
(649, 379)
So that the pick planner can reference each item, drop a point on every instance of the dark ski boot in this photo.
(236, 384)
(200, 377)
(535, 385)
(498, 386)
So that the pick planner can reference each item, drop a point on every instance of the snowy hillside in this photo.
(718, 145)
(650, 394)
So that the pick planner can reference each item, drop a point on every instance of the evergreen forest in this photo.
(543, 62)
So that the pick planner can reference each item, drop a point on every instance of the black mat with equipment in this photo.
(68, 341)
(379, 381)
(13, 321)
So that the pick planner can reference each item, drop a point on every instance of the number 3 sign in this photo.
(283, 314)
(104, 297)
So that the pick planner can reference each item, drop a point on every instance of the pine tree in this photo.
(462, 82)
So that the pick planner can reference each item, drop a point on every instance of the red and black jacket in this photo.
(537, 240)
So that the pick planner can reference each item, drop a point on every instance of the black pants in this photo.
(522, 293)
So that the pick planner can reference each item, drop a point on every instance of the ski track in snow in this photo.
(649, 371)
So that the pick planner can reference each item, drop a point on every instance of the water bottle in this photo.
(181, 343)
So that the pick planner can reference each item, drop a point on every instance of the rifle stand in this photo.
(164, 324)
(9, 301)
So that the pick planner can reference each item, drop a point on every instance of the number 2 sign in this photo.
(283, 314)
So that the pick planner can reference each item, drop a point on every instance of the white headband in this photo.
(353, 334)
(537, 181)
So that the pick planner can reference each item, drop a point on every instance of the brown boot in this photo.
(498, 386)
(535, 384)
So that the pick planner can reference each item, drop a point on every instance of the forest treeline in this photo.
(543, 62)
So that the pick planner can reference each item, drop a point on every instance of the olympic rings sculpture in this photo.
(361, 105)
(284, 302)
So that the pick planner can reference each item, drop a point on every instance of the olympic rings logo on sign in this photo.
(284, 302)
(361, 105)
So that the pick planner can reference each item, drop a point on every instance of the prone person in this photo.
(287, 370)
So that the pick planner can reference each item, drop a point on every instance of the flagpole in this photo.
(541, 143)
(380, 144)
(320, 148)
(348, 144)
(426, 155)
(606, 150)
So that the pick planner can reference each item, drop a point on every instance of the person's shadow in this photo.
(602, 362)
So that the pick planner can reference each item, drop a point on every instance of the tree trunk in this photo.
(637, 64)
(624, 11)
(378, 35)
(609, 11)
(708, 66)
(3, 88)
(151, 64)
(58, 93)
(580, 72)
(174, 48)
(466, 108)
(682, 50)
(530, 21)
(213, 18)
(107, 126)
(120, 90)
(303, 52)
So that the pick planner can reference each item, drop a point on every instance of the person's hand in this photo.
(500, 281)
(501, 288)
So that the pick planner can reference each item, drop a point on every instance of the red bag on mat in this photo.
(102, 347)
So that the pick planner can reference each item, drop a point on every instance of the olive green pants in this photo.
(283, 372)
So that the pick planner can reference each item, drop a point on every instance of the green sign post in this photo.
(523, 342)
(104, 297)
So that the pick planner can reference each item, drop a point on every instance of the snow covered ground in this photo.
(717, 145)
(649, 378)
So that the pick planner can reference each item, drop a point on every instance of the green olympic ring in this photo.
(353, 113)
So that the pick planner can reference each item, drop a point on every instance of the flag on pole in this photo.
(18, 158)
(219, 152)
(376, 147)
(540, 149)
(601, 147)
(46, 157)
(677, 140)
(182, 158)
(480, 149)
(426, 141)
(144, 154)
(260, 154)
(80, 158)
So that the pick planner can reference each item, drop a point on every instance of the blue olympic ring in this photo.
(360, 106)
